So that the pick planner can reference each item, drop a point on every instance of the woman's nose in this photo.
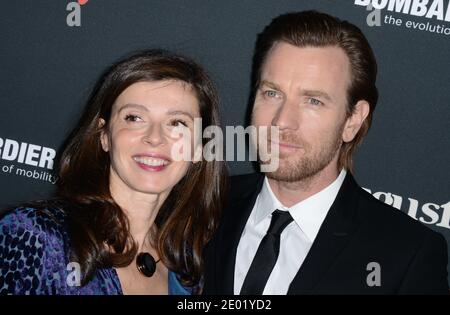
(154, 135)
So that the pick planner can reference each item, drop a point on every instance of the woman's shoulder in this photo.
(32, 246)
(36, 219)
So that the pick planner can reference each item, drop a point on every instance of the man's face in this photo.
(303, 92)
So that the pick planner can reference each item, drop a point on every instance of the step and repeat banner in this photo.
(53, 51)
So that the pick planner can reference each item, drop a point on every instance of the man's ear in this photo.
(103, 135)
(355, 121)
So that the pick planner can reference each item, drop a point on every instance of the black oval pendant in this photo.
(146, 264)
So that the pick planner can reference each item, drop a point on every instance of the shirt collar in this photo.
(309, 214)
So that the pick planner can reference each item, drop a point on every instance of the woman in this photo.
(129, 217)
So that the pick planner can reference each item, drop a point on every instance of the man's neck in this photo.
(291, 193)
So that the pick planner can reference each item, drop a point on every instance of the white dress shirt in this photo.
(296, 239)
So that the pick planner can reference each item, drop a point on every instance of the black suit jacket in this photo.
(358, 230)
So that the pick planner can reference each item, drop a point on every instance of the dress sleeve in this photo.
(25, 250)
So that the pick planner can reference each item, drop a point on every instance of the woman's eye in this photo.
(178, 123)
(132, 118)
(314, 101)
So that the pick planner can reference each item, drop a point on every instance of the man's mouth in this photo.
(286, 145)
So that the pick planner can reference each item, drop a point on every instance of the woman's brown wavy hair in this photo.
(99, 229)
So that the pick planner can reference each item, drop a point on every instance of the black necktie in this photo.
(266, 255)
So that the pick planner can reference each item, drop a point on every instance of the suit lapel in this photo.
(334, 234)
(238, 211)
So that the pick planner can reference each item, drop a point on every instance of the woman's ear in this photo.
(355, 121)
(103, 135)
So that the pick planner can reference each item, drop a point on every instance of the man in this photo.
(307, 227)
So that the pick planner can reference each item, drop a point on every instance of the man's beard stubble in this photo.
(294, 168)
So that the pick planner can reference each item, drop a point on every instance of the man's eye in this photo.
(178, 123)
(271, 93)
(132, 118)
(314, 101)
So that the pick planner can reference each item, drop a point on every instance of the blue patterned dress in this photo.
(34, 259)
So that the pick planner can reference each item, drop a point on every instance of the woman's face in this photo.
(146, 122)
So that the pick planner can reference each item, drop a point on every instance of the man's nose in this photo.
(287, 116)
